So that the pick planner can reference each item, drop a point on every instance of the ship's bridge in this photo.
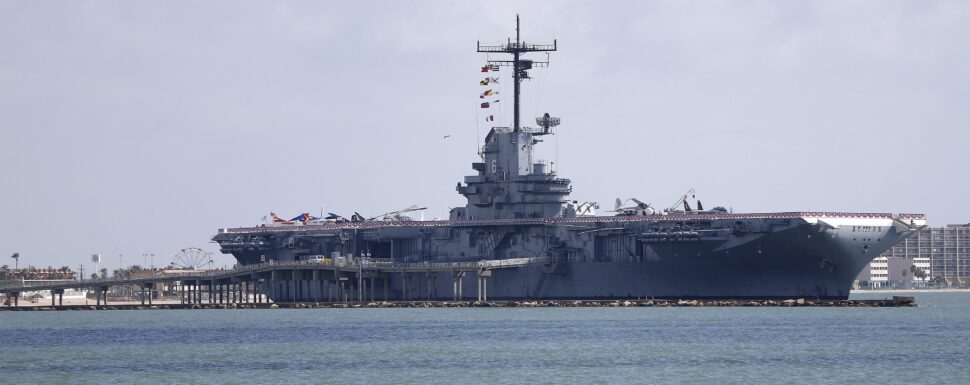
(510, 183)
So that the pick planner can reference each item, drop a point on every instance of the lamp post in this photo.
(149, 257)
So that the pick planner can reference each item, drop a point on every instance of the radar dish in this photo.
(546, 122)
(192, 258)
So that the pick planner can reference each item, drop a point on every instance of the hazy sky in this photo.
(134, 127)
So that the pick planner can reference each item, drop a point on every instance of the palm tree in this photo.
(919, 272)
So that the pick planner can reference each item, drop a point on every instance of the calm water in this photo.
(929, 344)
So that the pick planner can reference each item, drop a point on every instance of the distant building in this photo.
(30, 275)
(37, 274)
(879, 273)
(933, 257)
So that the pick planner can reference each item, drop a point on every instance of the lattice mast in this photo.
(519, 65)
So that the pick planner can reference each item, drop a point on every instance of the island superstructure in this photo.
(518, 215)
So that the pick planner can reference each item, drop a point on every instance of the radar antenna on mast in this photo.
(519, 65)
(546, 122)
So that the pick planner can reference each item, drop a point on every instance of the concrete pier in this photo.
(303, 282)
(55, 293)
(483, 284)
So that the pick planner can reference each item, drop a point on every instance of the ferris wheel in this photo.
(192, 258)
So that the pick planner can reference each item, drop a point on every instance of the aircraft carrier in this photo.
(519, 216)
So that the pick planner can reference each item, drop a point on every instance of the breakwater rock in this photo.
(792, 302)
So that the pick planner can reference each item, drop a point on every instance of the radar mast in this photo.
(519, 65)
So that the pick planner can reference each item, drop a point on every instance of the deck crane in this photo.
(683, 201)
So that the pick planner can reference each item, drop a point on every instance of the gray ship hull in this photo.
(778, 255)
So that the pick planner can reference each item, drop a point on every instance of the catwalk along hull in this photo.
(776, 255)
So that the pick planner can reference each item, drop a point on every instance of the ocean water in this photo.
(927, 344)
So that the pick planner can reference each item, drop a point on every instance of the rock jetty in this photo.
(895, 301)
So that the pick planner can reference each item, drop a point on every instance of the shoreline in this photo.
(896, 301)
(890, 291)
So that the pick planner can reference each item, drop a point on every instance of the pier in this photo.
(311, 281)
(361, 283)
